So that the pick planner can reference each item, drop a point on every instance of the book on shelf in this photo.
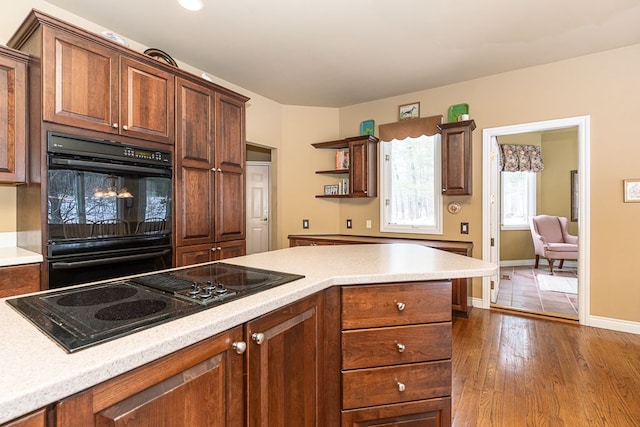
(342, 159)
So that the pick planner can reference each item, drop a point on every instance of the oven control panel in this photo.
(137, 153)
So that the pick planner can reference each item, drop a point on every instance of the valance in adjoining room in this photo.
(410, 128)
(520, 158)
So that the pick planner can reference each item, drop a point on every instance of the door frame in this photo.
(584, 144)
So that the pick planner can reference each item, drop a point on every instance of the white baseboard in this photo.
(615, 324)
(594, 321)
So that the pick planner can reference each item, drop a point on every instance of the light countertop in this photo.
(36, 372)
(16, 256)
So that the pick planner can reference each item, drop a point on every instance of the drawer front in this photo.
(432, 412)
(369, 306)
(394, 384)
(365, 348)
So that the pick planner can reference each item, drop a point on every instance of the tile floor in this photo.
(519, 290)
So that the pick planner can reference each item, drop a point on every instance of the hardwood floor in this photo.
(519, 290)
(517, 371)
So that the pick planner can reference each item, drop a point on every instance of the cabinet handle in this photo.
(401, 306)
(125, 127)
(239, 346)
(401, 347)
(258, 337)
(401, 386)
(115, 126)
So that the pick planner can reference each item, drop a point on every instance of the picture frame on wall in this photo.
(632, 190)
(409, 111)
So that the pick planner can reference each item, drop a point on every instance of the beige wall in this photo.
(588, 85)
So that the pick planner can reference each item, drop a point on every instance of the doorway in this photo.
(491, 202)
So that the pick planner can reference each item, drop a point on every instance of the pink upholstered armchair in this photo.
(552, 240)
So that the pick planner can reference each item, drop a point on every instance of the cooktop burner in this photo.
(83, 316)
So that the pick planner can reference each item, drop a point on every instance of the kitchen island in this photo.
(36, 372)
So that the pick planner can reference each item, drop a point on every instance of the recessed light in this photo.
(191, 4)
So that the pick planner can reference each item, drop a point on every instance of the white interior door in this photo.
(494, 200)
(258, 206)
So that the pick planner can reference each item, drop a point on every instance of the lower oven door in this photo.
(75, 269)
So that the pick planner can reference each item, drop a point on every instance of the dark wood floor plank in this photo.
(517, 371)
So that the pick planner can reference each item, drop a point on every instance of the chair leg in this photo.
(537, 261)
(561, 263)
(551, 261)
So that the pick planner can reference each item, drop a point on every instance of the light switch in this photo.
(305, 223)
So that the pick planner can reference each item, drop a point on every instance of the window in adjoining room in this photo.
(518, 199)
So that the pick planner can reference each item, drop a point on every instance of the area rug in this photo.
(568, 285)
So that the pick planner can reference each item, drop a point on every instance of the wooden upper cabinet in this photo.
(194, 184)
(229, 205)
(363, 169)
(90, 86)
(13, 115)
(456, 157)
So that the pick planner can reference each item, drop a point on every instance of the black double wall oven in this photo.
(109, 210)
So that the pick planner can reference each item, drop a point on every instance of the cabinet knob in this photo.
(258, 337)
(115, 126)
(125, 127)
(401, 386)
(444, 189)
(213, 249)
(213, 169)
(401, 306)
(239, 346)
(219, 170)
(401, 347)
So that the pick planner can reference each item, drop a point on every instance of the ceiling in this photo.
(335, 53)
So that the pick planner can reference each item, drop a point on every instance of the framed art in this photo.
(632, 190)
(409, 111)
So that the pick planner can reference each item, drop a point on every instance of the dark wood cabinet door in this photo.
(35, 419)
(81, 82)
(231, 249)
(13, 116)
(229, 206)
(194, 254)
(194, 204)
(426, 413)
(200, 386)
(147, 102)
(363, 168)
(284, 359)
(194, 181)
(456, 158)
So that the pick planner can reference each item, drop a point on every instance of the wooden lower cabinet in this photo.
(396, 354)
(197, 254)
(285, 353)
(460, 288)
(19, 279)
(35, 419)
(200, 386)
(424, 413)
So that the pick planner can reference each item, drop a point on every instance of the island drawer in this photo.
(365, 348)
(371, 306)
(432, 412)
(393, 384)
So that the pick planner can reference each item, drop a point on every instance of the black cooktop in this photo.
(80, 317)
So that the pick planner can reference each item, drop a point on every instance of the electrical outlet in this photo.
(305, 224)
(464, 228)
(368, 223)
(349, 224)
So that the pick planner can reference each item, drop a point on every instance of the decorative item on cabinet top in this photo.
(161, 56)
(367, 127)
(457, 110)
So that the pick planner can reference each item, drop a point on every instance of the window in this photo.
(518, 199)
(411, 200)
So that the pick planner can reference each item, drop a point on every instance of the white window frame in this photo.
(385, 191)
(530, 201)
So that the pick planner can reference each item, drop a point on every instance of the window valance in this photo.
(520, 158)
(410, 128)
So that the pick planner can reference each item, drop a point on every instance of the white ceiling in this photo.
(335, 53)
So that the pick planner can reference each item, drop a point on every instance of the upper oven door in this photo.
(91, 198)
